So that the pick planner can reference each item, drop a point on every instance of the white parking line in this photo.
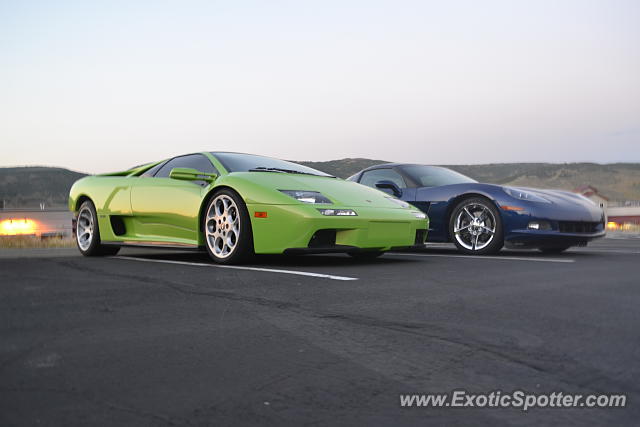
(237, 267)
(606, 251)
(504, 258)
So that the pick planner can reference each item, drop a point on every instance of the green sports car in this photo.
(235, 205)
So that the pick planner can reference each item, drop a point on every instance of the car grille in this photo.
(578, 226)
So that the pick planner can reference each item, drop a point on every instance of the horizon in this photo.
(346, 158)
(86, 84)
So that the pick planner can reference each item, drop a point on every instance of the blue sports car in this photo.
(482, 218)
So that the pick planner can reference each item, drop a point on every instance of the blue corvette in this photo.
(482, 218)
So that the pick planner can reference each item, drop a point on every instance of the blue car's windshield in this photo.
(238, 162)
(434, 176)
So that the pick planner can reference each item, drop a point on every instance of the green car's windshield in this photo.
(434, 176)
(238, 162)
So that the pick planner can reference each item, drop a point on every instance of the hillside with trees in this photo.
(28, 187)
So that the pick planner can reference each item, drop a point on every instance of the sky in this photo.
(99, 86)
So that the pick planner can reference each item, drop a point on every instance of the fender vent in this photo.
(117, 225)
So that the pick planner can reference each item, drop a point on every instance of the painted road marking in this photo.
(606, 251)
(237, 267)
(504, 258)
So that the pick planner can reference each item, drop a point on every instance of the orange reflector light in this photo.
(14, 227)
(511, 208)
(260, 214)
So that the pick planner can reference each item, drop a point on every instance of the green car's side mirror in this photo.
(189, 174)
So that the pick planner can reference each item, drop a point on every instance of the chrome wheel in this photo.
(85, 226)
(222, 226)
(474, 227)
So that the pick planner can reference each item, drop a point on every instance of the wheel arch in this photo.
(80, 200)
(205, 202)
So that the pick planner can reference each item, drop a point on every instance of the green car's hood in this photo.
(340, 192)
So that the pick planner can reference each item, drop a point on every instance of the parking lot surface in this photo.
(167, 338)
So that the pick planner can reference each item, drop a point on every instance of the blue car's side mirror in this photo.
(389, 187)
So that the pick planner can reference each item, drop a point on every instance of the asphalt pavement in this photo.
(155, 337)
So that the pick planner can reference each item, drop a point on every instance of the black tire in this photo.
(365, 255)
(88, 242)
(553, 249)
(216, 233)
(483, 244)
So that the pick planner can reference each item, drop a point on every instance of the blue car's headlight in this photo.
(588, 200)
(312, 197)
(519, 194)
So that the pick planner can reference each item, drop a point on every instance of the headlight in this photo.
(420, 215)
(338, 212)
(516, 193)
(312, 197)
(539, 225)
(398, 202)
(586, 199)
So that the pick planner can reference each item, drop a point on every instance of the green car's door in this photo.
(166, 210)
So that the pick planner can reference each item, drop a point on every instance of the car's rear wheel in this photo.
(365, 255)
(227, 228)
(88, 233)
(475, 226)
(553, 249)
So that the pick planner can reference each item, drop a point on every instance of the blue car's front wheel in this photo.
(475, 226)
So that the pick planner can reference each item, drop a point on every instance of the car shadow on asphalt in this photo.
(320, 260)
(343, 260)
(506, 252)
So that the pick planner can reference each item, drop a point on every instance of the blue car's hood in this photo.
(563, 205)
(559, 197)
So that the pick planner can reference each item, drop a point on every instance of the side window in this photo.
(151, 172)
(370, 178)
(194, 161)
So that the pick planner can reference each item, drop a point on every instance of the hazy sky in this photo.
(98, 86)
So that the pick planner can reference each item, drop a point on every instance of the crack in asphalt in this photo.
(403, 327)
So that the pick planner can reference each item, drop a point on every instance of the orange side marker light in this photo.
(260, 214)
(511, 208)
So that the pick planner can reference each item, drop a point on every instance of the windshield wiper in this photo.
(281, 170)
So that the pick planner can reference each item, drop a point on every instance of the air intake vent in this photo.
(578, 226)
(323, 238)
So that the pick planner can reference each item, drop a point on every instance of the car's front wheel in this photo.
(475, 227)
(88, 232)
(227, 228)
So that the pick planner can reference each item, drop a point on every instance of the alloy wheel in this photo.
(222, 226)
(474, 227)
(85, 227)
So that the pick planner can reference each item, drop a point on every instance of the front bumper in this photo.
(565, 225)
(296, 228)
(548, 238)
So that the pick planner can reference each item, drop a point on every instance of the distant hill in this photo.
(343, 168)
(29, 186)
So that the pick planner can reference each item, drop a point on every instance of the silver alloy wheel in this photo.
(222, 226)
(84, 228)
(474, 227)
